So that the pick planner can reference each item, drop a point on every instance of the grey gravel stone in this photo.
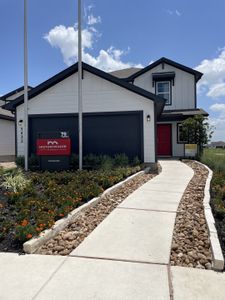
(190, 232)
(70, 238)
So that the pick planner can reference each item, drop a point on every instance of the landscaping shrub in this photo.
(20, 162)
(37, 199)
(15, 182)
(33, 161)
(215, 159)
(106, 162)
(92, 160)
(74, 161)
(136, 161)
(121, 160)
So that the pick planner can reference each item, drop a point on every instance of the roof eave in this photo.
(197, 74)
(71, 70)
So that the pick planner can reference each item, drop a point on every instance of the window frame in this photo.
(161, 94)
(178, 135)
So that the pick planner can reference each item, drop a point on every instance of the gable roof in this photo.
(181, 114)
(8, 118)
(165, 60)
(20, 89)
(160, 102)
(124, 73)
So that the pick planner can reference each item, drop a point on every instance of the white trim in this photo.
(218, 259)
(164, 93)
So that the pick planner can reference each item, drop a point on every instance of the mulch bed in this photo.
(191, 246)
(70, 238)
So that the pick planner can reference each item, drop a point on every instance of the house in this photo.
(7, 134)
(219, 144)
(177, 84)
(132, 111)
(7, 126)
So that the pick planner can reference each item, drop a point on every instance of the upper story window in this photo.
(163, 89)
(163, 83)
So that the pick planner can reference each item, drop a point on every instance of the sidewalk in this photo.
(125, 257)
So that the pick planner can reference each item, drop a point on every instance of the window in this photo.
(163, 89)
(181, 136)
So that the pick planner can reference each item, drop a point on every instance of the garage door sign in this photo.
(54, 146)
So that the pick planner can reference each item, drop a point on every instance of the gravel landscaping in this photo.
(68, 239)
(191, 246)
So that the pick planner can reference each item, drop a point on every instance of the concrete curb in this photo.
(32, 245)
(218, 259)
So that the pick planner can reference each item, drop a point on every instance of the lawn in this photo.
(31, 202)
(215, 159)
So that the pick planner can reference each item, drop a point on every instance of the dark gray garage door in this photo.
(103, 133)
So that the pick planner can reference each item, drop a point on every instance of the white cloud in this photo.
(219, 125)
(177, 13)
(169, 12)
(93, 20)
(66, 39)
(213, 80)
(219, 108)
(216, 90)
(174, 12)
(218, 121)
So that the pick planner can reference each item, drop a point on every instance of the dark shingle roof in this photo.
(4, 97)
(174, 115)
(165, 60)
(159, 102)
(124, 73)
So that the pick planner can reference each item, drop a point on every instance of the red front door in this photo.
(164, 140)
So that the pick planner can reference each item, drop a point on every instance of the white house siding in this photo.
(177, 149)
(183, 91)
(7, 138)
(99, 95)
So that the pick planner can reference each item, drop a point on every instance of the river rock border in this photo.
(218, 259)
(35, 243)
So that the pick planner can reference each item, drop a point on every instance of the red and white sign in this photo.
(54, 146)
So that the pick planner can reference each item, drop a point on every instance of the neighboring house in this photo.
(7, 127)
(123, 111)
(219, 144)
(7, 134)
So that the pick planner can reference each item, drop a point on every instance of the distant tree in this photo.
(197, 130)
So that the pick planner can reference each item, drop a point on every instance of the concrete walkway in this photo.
(125, 257)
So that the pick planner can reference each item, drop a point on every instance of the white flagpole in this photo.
(25, 89)
(80, 106)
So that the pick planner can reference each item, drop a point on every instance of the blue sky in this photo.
(118, 34)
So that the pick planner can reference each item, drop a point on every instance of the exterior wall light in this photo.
(148, 118)
(20, 122)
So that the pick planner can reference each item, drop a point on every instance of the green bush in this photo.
(33, 161)
(121, 160)
(92, 160)
(15, 182)
(214, 159)
(136, 161)
(106, 162)
(49, 196)
(74, 161)
(20, 161)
